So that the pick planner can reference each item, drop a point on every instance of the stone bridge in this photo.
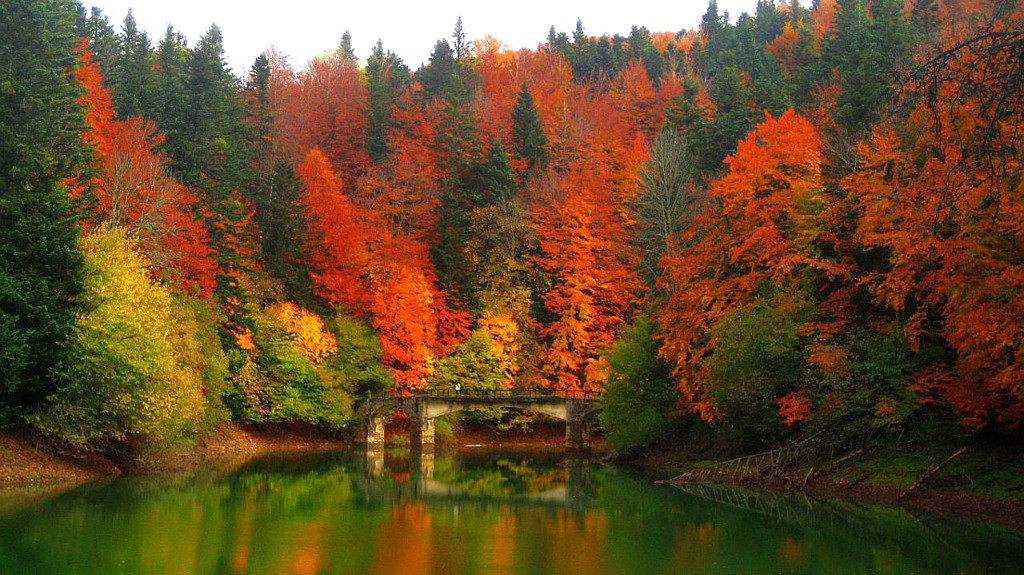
(576, 409)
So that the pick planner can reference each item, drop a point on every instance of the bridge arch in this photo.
(576, 409)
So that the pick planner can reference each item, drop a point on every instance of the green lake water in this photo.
(472, 512)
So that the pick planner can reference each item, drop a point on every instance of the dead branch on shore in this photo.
(932, 471)
(765, 464)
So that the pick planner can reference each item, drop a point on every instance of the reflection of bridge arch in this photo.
(434, 489)
(575, 493)
(576, 409)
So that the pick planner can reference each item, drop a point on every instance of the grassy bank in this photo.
(982, 479)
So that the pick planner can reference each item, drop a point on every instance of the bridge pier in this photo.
(375, 462)
(578, 435)
(421, 425)
(374, 431)
(578, 425)
(421, 432)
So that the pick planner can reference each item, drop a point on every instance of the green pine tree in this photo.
(558, 42)
(708, 56)
(458, 141)
(582, 54)
(40, 267)
(103, 41)
(171, 105)
(438, 77)
(865, 50)
(642, 48)
(528, 140)
(216, 153)
(345, 50)
(386, 78)
(712, 140)
(497, 181)
(259, 114)
(284, 231)
(132, 77)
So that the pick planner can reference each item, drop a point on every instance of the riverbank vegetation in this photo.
(802, 222)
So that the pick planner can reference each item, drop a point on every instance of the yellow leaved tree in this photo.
(128, 377)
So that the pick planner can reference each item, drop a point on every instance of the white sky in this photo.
(305, 28)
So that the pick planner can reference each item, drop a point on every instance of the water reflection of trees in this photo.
(333, 514)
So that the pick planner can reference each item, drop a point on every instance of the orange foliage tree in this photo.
(323, 106)
(583, 248)
(311, 336)
(336, 240)
(368, 259)
(943, 198)
(131, 188)
(760, 229)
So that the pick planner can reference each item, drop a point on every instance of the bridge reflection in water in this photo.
(570, 486)
(577, 409)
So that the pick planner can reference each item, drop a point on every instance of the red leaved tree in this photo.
(131, 187)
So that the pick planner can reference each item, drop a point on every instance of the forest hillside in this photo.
(806, 218)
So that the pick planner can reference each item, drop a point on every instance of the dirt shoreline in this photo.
(26, 461)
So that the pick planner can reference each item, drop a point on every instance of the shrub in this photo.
(359, 356)
(638, 403)
(759, 359)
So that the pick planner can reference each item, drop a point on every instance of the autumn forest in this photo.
(806, 218)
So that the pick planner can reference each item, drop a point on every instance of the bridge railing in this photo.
(452, 393)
